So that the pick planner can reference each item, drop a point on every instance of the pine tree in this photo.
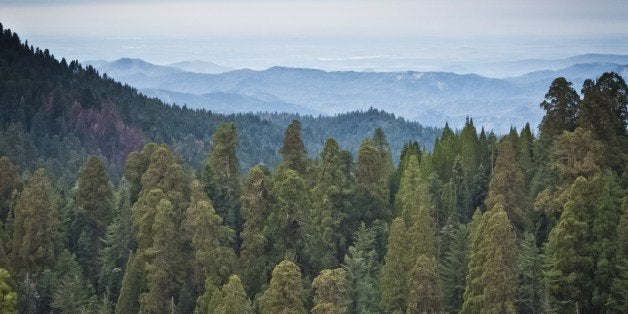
(256, 205)
(286, 219)
(561, 105)
(499, 273)
(324, 239)
(507, 187)
(568, 262)
(69, 291)
(116, 245)
(372, 181)
(424, 290)
(454, 267)
(445, 151)
(474, 287)
(529, 277)
(8, 298)
(604, 111)
(213, 256)
(330, 295)
(234, 299)
(94, 206)
(9, 183)
(285, 292)
(221, 175)
(362, 265)
(132, 285)
(35, 227)
(618, 296)
(163, 262)
(403, 246)
(293, 149)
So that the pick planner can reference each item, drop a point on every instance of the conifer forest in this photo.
(113, 202)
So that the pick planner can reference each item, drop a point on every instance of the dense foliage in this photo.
(481, 223)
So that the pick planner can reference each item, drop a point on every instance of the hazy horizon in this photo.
(329, 35)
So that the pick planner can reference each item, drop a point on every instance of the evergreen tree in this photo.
(9, 183)
(604, 111)
(499, 273)
(256, 205)
(445, 151)
(561, 105)
(293, 149)
(454, 267)
(116, 245)
(234, 299)
(214, 259)
(132, 285)
(286, 219)
(507, 187)
(618, 298)
(362, 265)
(330, 295)
(221, 175)
(94, 207)
(69, 291)
(163, 262)
(8, 298)
(424, 290)
(285, 292)
(568, 263)
(529, 277)
(35, 228)
(371, 176)
(403, 248)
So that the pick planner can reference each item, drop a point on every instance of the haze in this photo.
(380, 35)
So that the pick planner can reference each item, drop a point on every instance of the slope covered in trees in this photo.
(481, 223)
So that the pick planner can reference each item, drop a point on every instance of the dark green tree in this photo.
(34, 244)
(507, 187)
(530, 287)
(362, 265)
(221, 175)
(293, 149)
(257, 202)
(93, 207)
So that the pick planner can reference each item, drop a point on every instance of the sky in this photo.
(328, 34)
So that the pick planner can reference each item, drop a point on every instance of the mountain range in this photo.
(431, 98)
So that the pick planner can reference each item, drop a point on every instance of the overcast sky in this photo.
(594, 25)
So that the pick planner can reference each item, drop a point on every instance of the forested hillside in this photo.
(526, 223)
(54, 114)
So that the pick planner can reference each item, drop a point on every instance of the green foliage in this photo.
(293, 149)
(454, 266)
(491, 279)
(286, 219)
(234, 299)
(214, 258)
(285, 292)
(530, 286)
(8, 297)
(362, 265)
(9, 184)
(35, 235)
(424, 288)
(256, 202)
(330, 295)
(94, 207)
(132, 286)
(508, 187)
(604, 111)
(221, 175)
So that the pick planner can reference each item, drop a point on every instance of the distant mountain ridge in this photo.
(431, 98)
